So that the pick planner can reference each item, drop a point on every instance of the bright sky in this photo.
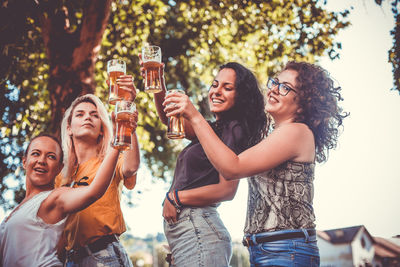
(359, 185)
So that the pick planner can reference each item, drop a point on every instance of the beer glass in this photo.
(124, 115)
(176, 128)
(116, 68)
(151, 57)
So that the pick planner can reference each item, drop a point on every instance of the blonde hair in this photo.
(70, 159)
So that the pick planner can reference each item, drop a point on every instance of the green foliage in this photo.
(24, 99)
(195, 37)
(394, 51)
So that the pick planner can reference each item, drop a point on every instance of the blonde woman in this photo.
(91, 236)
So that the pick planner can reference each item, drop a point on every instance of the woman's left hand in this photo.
(125, 82)
(134, 120)
(169, 212)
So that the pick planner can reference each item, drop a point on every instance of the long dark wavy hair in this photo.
(248, 109)
(319, 109)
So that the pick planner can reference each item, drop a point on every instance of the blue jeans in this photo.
(112, 256)
(199, 238)
(289, 252)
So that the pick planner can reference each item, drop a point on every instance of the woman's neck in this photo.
(31, 191)
(85, 150)
(278, 122)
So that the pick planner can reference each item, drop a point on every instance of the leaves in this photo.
(394, 52)
(49, 63)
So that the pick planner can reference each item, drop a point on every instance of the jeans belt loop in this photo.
(306, 236)
(253, 239)
(246, 241)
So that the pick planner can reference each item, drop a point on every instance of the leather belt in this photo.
(263, 239)
(99, 244)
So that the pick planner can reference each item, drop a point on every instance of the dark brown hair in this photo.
(318, 105)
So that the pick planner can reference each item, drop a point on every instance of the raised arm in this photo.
(285, 143)
(159, 99)
(131, 158)
(65, 200)
(131, 163)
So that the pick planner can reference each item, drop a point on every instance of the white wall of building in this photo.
(339, 255)
(363, 249)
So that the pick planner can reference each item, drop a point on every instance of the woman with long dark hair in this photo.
(303, 119)
(194, 230)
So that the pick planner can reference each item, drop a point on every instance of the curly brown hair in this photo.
(318, 105)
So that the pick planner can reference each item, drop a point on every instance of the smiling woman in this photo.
(194, 230)
(29, 235)
(303, 120)
(42, 162)
(222, 93)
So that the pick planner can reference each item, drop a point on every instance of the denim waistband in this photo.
(258, 238)
(187, 209)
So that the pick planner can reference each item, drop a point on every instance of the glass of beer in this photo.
(176, 129)
(116, 68)
(124, 116)
(151, 57)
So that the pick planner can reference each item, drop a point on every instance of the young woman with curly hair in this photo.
(195, 233)
(303, 112)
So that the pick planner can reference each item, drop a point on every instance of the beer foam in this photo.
(116, 68)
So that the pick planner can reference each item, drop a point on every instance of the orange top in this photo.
(103, 217)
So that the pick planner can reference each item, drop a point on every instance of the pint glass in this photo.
(151, 57)
(124, 115)
(116, 68)
(176, 129)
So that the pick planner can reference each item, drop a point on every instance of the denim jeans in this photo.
(289, 252)
(112, 256)
(199, 238)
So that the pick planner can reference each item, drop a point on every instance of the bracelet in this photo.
(173, 202)
(177, 198)
(169, 199)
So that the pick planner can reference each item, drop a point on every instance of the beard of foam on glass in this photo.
(124, 116)
(116, 68)
(151, 57)
(176, 127)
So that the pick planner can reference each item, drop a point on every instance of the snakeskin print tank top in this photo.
(281, 199)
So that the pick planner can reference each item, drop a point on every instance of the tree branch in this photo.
(95, 18)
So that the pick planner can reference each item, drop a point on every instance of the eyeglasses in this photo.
(283, 89)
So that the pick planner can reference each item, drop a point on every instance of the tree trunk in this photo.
(72, 55)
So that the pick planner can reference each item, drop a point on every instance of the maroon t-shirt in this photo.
(193, 169)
